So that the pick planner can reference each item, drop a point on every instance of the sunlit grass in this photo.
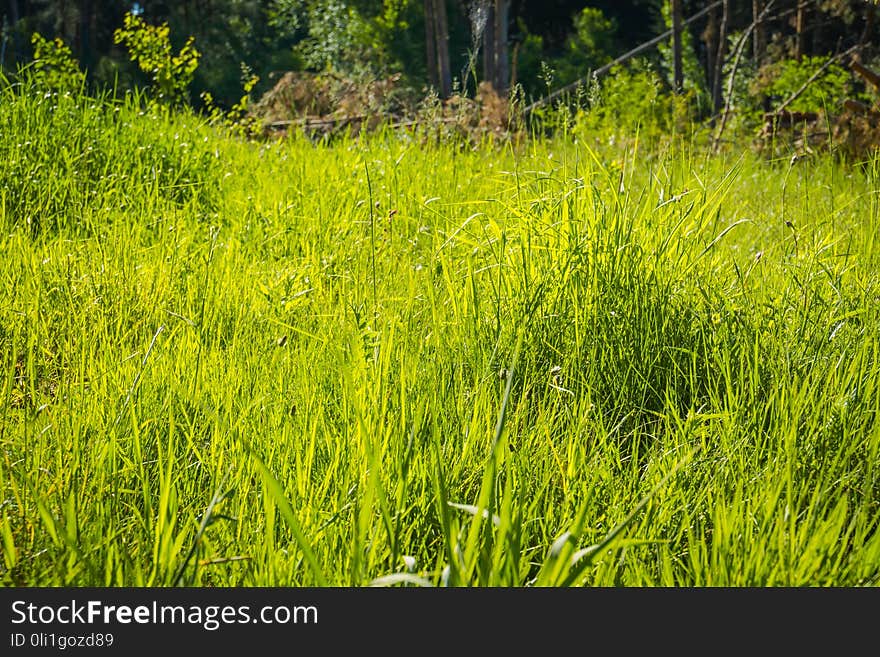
(387, 360)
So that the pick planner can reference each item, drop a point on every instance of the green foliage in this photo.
(375, 38)
(782, 79)
(150, 47)
(54, 65)
(594, 34)
(338, 38)
(592, 43)
(345, 36)
(757, 89)
(635, 100)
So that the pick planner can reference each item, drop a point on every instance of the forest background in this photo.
(750, 55)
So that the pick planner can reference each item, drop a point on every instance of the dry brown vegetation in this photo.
(327, 104)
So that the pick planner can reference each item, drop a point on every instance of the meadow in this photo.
(393, 360)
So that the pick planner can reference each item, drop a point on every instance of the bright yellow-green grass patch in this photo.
(556, 362)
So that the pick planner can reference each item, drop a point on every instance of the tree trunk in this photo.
(86, 34)
(759, 37)
(502, 58)
(514, 60)
(677, 69)
(717, 99)
(489, 45)
(710, 39)
(759, 43)
(14, 15)
(800, 28)
(431, 45)
(67, 30)
(442, 37)
(870, 17)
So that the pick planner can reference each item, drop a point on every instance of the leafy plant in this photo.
(633, 99)
(782, 79)
(54, 65)
(150, 46)
(591, 44)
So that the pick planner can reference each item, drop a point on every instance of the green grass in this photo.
(387, 360)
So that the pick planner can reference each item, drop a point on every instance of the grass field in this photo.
(388, 360)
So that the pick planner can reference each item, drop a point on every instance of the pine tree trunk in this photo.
(68, 31)
(86, 34)
(489, 46)
(710, 39)
(677, 69)
(870, 17)
(717, 98)
(431, 45)
(502, 58)
(759, 37)
(800, 28)
(514, 60)
(442, 36)
(759, 43)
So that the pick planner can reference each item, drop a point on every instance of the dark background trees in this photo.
(444, 44)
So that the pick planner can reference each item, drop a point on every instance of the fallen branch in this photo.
(316, 121)
(786, 119)
(865, 72)
(311, 122)
(407, 124)
(861, 109)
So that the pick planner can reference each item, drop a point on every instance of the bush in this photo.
(633, 99)
(782, 79)
(150, 47)
(591, 44)
(54, 67)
